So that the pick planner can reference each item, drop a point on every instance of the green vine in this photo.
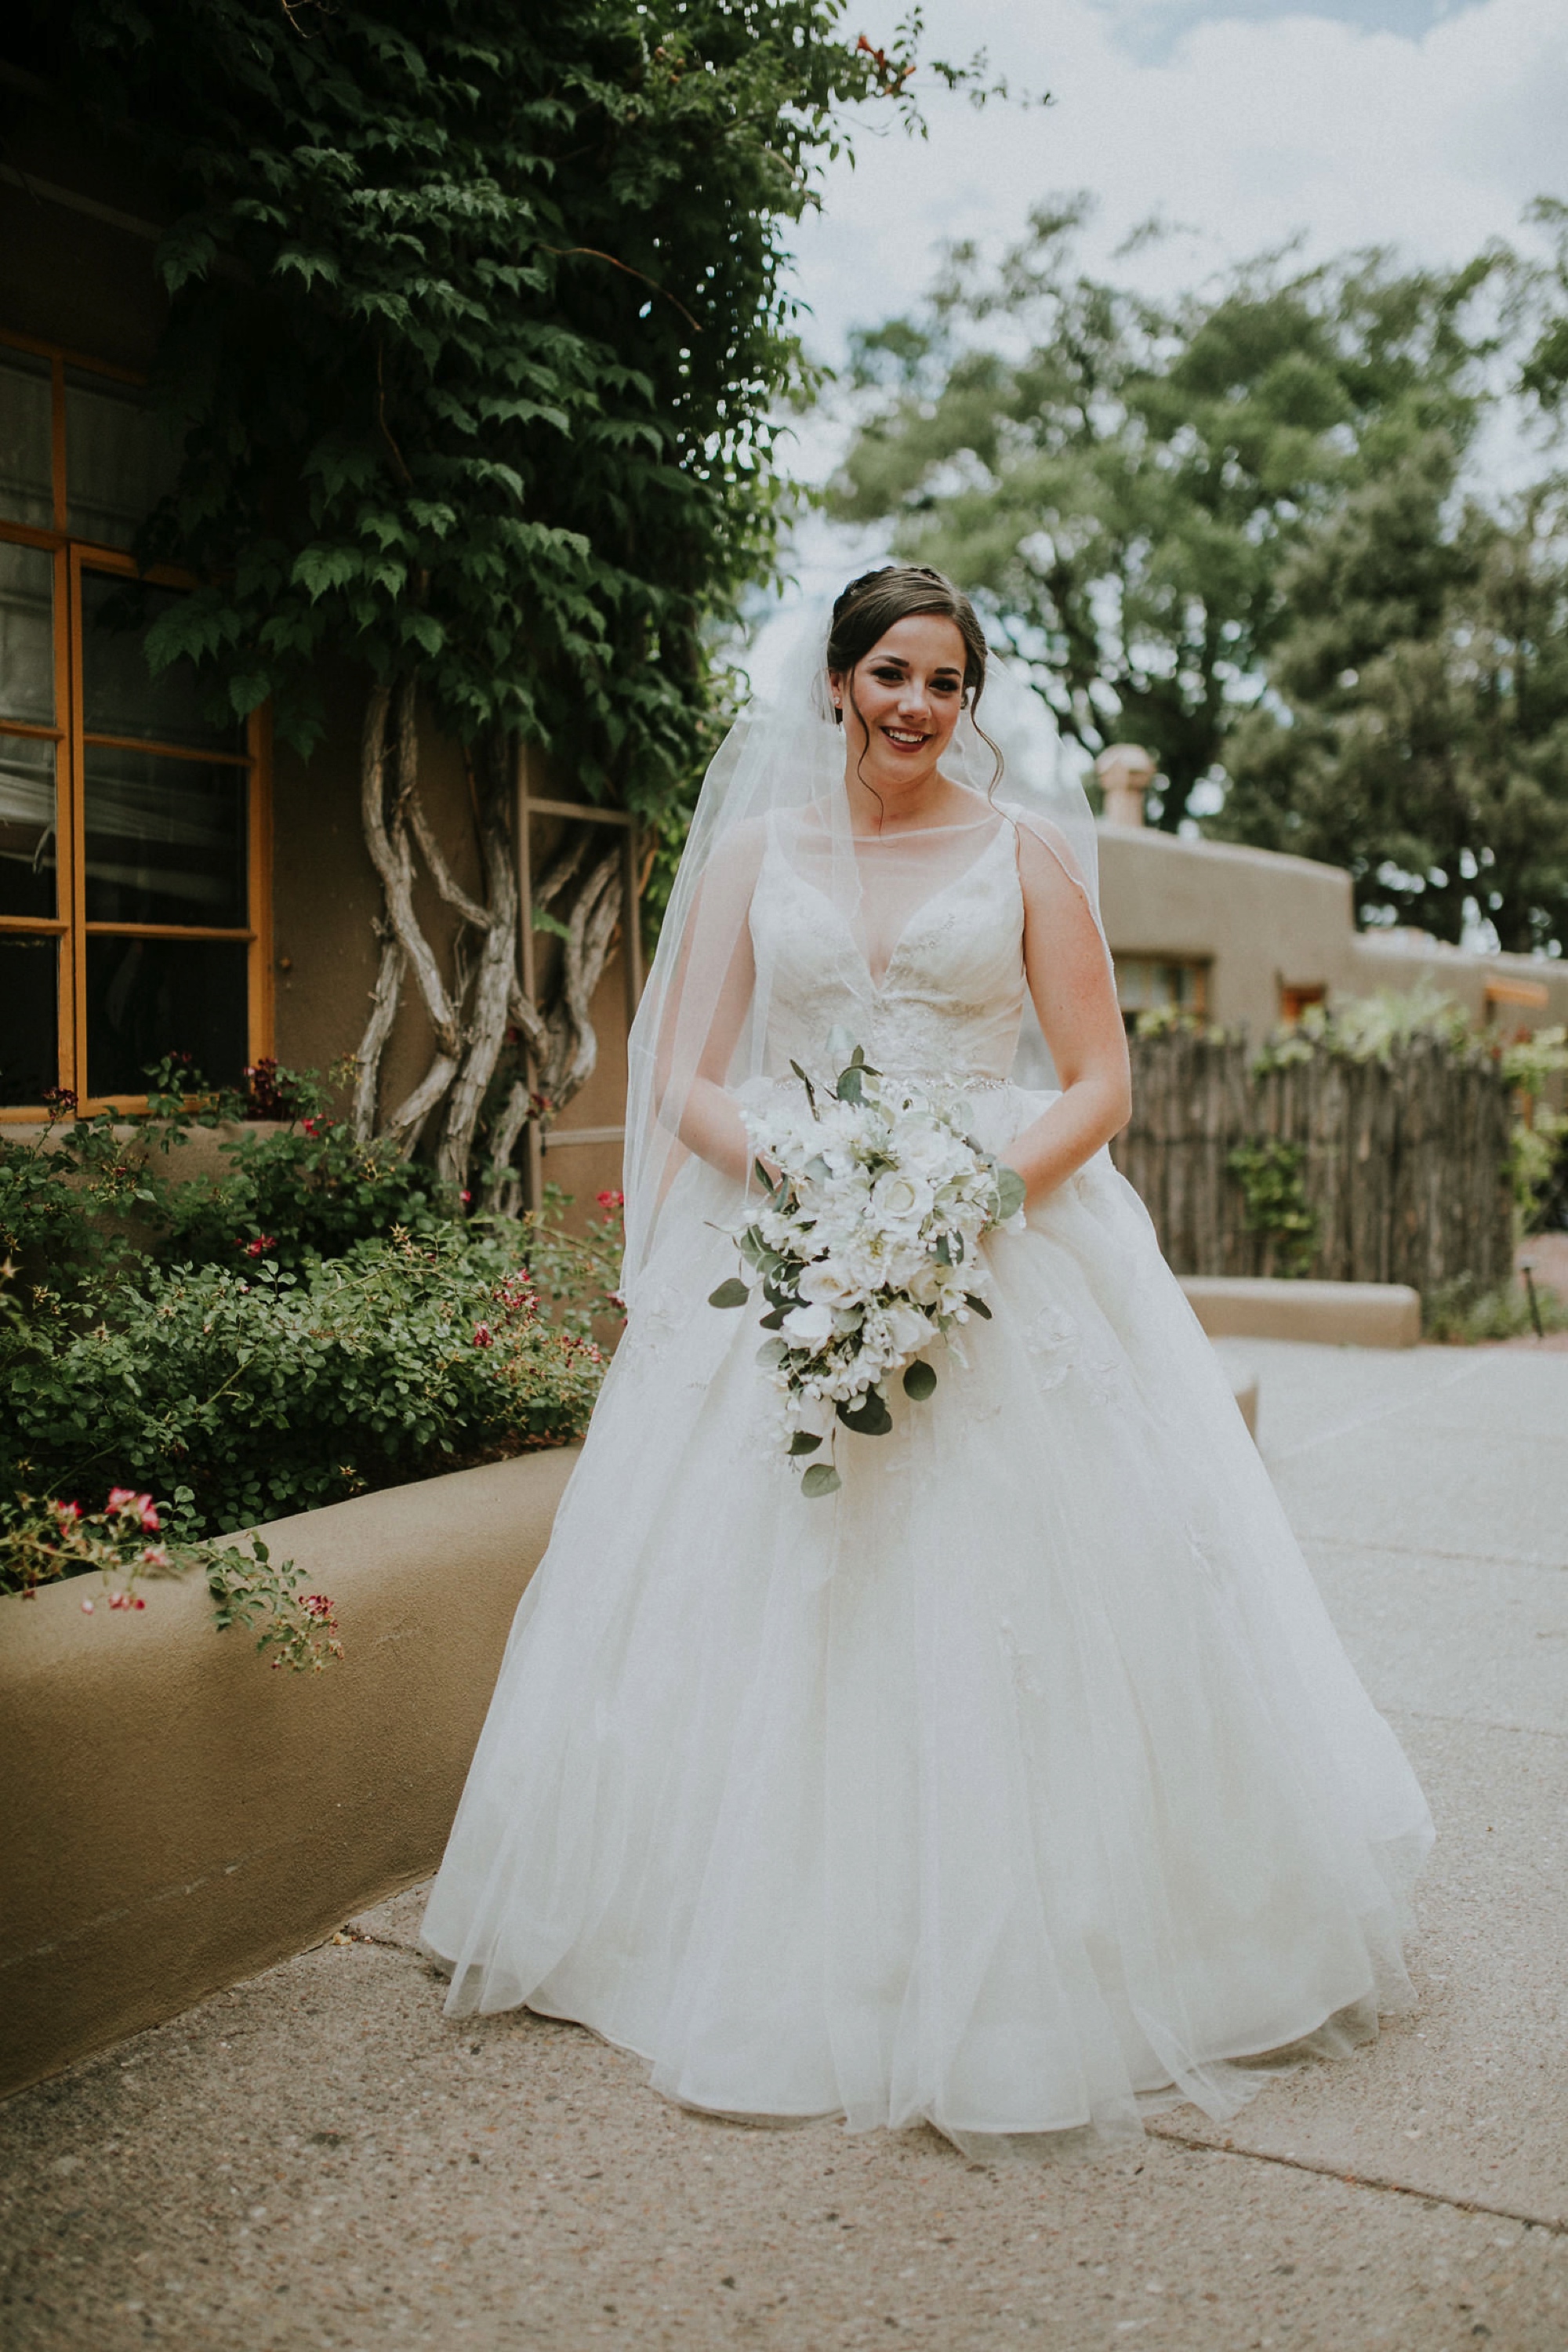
(1270, 1174)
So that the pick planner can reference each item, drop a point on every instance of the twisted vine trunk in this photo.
(479, 1003)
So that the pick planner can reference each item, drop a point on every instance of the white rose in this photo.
(900, 1200)
(907, 1328)
(827, 1283)
(924, 1285)
(808, 1326)
(815, 1414)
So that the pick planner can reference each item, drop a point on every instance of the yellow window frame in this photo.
(73, 557)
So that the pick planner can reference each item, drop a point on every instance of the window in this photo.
(1154, 983)
(1295, 997)
(134, 857)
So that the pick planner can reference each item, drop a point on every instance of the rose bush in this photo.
(243, 1396)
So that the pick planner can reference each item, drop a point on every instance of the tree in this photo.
(1122, 481)
(476, 326)
(1418, 732)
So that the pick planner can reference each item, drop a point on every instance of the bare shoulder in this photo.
(1047, 868)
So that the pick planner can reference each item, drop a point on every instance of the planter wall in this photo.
(178, 1816)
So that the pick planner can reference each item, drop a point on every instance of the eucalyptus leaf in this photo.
(920, 1380)
(821, 1478)
(732, 1293)
(1010, 1194)
(802, 1442)
(772, 1353)
(850, 1087)
(870, 1418)
(978, 1306)
(810, 1089)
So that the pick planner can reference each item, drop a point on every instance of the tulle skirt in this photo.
(1022, 1782)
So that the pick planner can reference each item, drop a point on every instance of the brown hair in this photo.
(871, 605)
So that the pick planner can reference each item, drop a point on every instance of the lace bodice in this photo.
(950, 999)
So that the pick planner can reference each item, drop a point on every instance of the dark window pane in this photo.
(26, 825)
(165, 839)
(120, 694)
(119, 460)
(146, 998)
(27, 475)
(27, 635)
(29, 1034)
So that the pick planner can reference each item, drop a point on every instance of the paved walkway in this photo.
(316, 2158)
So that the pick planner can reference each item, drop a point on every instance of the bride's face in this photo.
(902, 700)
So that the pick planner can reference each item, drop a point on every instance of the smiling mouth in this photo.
(904, 737)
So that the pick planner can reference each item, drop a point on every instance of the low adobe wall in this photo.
(178, 1816)
(1335, 1314)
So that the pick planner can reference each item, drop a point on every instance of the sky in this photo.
(1426, 125)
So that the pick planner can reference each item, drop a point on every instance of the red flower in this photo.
(483, 1335)
(129, 1504)
(611, 1200)
(465, 1198)
(154, 1555)
(316, 1604)
(260, 1246)
(68, 1514)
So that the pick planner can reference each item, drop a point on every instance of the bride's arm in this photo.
(1073, 991)
(709, 1001)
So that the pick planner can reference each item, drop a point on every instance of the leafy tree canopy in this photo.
(477, 325)
(1418, 732)
(1122, 481)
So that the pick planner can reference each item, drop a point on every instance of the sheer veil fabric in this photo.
(775, 788)
(1023, 1783)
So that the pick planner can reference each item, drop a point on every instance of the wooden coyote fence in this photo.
(1404, 1163)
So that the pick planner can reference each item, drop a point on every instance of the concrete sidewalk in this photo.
(316, 2158)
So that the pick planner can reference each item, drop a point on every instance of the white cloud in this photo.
(1247, 132)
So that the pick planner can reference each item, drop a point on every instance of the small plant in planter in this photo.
(125, 1544)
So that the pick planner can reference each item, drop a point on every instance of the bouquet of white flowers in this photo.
(866, 1244)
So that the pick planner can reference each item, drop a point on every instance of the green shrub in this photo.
(1460, 1314)
(310, 1191)
(576, 1275)
(1370, 1028)
(1274, 1189)
(65, 1197)
(243, 1396)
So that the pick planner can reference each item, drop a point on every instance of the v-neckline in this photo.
(878, 986)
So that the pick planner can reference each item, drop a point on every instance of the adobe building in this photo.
(1248, 937)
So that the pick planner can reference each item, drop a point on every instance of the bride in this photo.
(1022, 1782)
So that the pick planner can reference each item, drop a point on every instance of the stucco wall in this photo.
(178, 1816)
(1267, 922)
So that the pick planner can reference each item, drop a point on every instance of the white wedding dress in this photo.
(1021, 1781)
